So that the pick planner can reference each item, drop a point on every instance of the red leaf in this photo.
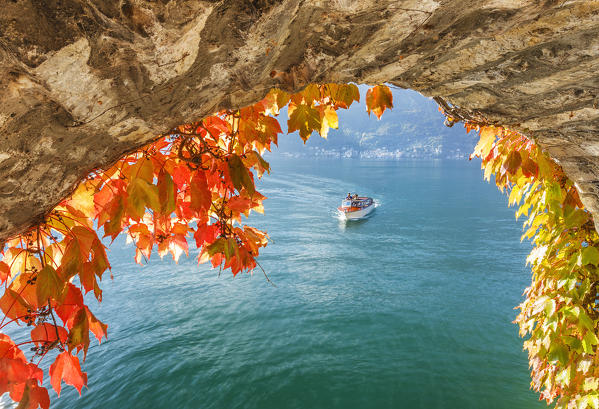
(206, 234)
(8, 349)
(512, 163)
(201, 198)
(66, 368)
(46, 332)
(529, 168)
(16, 372)
(4, 272)
(181, 175)
(72, 302)
(33, 396)
(217, 126)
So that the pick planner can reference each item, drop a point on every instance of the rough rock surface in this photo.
(83, 81)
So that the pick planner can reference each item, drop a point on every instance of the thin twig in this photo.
(265, 275)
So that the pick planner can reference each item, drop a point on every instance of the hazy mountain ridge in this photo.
(413, 129)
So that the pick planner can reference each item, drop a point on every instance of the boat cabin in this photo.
(358, 203)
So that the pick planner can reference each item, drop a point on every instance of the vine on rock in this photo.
(561, 312)
(195, 183)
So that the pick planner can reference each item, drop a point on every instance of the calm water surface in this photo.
(411, 308)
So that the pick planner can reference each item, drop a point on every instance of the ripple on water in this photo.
(409, 308)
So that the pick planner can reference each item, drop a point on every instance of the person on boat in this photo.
(348, 196)
(355, 196)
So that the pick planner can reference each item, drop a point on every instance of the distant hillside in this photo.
(413, 129)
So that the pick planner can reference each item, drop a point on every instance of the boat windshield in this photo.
(346, 203)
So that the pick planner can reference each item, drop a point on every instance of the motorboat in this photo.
(356, 207)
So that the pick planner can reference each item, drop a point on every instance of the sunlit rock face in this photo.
(82, 82)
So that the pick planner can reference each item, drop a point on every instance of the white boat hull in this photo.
(358, 214)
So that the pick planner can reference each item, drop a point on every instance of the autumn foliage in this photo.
(193, 184)
(196, 184)
(561, 311)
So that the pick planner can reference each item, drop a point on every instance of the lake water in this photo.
(411, 308)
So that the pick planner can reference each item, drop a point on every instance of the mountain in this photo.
(412, 129)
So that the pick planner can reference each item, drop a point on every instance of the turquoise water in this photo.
(411, 308)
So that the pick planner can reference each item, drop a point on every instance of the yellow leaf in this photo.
(485, 143)
(305, 119)
(329, 120)
(83, 199)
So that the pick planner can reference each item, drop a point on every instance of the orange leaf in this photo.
(115, 212)
(378, 99)
(13, 305)
(98, 328)
(66, 368)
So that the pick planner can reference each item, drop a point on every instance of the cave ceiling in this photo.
(83, 82)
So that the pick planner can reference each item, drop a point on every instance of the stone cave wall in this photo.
(83, 82)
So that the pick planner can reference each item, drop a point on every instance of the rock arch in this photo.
(82, 82)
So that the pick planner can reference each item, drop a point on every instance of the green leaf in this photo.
(72, 260)
(584, 319)
(141, 195)
(588, 341)
(230, 248)
(550, 307)
(240, 175)
(572, 342)
(218, 246)
(49, 285)
(558, 352)
(166, 193)
(576, 218)
(590, 255)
